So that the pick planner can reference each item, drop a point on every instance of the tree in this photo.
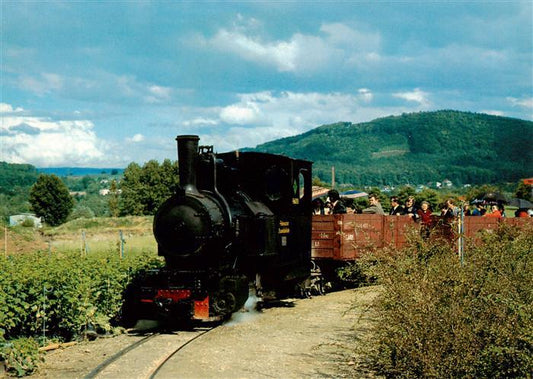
(50, 199)
(404, 193)
(131, 186)
(113, 199)
(81, 211)
(144, 189)
(524, 191)
(154, 190)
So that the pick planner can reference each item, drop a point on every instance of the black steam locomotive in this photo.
(238, 220)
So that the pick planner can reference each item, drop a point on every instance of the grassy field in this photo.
(124, 234)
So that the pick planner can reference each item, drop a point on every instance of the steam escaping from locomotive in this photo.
(236, 220)
(250, 310)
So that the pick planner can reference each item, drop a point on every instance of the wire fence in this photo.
(123, 242)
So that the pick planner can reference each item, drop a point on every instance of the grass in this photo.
(133, 243)
(84, 235)
(132, 234)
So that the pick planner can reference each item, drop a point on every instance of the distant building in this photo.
(19, 219)
(78, 193)
(319, 191)
(107, 191)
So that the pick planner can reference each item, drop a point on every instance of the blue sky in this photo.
(106, 83)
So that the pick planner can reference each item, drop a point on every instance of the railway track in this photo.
(144, 358)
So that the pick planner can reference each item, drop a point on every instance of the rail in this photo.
(145, 360)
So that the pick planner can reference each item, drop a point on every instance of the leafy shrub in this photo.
(354, 275)
(81, 211)
(28, 223)
(67, 294)
(21, 356)
(440, 318)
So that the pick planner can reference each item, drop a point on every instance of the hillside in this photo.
(13, 177)
(80, 171)
(416, 148)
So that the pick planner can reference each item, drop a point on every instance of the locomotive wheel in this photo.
(224, 303)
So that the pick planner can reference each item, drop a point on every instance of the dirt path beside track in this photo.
(298, 338)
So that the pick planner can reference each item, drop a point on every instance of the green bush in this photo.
(21, 356)
(66, 294)
(28, 223)
(354, 274)
(440, 318)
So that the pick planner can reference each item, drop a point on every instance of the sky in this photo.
(107, 83)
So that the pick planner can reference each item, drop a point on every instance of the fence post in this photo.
(5, 241)
(85, 247)
(44, 314)
(460, 240)
(121, 244)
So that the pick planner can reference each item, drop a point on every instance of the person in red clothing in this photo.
(495, 212)
(521, 212)
(424, 214)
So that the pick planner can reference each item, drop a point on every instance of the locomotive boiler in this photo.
(238, 220)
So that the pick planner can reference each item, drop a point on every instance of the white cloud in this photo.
(365, 95)
(240, 114)
(524, 102)
(264, 116)
(417, 95)
(493, 112)
(96, 86)
(158, 94)
(200, 121)
(45, 83)
(343, 35)
(280, 54)
(136, 138)
(44, 142)
(301, 52)
(7, 108)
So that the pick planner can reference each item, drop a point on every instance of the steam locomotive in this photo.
(238, 220)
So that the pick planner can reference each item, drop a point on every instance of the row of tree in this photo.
(143, 189)
(140, 192)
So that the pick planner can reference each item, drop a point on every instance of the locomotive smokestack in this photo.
(187, 160)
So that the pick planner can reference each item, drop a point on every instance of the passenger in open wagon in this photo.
(424, 213)
(396, 208)
(335, 202)
(410, 208)
(375, 205)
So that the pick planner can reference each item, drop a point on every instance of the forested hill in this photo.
(417, 148)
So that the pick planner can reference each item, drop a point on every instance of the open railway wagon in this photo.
(340, 239)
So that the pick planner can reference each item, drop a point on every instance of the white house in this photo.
(19, 219)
